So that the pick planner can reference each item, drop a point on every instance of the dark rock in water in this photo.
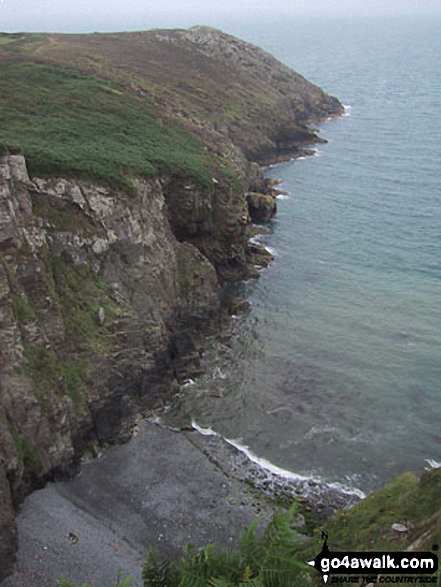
(219, 392)
(258, 255)
(261, 207)
(237, 306)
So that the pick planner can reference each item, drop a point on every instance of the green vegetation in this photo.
(19, 42)
(64, 215)
(116, 106)
(259, 562)
(47, 371)
(275, 559)
(189, 267)
(22, 309)
(30, 456)
(69, 123)
(81, 293)
(44, 368)
(76, 374)
(406, 500)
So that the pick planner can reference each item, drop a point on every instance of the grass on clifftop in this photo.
(70, 123)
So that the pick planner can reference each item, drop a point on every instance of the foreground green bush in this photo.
(259, 562)
(266, 561)
(273, 560)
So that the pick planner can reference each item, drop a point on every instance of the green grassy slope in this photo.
(71, 123)
(111, 106)
(413, 503)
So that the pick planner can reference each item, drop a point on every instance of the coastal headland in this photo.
(129, 178)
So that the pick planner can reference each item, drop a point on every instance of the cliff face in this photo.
(98, 301)
(103, 288)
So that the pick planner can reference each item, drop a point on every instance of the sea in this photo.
(334, 373)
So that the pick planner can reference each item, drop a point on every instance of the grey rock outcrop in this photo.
(262, 207)
(96, 296)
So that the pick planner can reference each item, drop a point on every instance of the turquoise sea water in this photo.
(336, 370)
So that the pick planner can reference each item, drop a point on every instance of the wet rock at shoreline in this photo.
(237, 306)
(261, 207)
(258, 255)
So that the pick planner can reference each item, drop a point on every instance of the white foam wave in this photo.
(347, 110)
(342, 488)
(264, 464)
(203, 431)
(257, 240)
(278, 471)
(272, 250)
(188, 382)
(279, 409)
(289, 475)
(433, 464)
(283, 197)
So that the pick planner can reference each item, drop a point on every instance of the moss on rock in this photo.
(81, 293)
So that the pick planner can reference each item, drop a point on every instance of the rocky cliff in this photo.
(105, 279)
(99, 304)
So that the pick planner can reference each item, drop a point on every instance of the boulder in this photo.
(258, 255)
(261, 207)
(237, 305)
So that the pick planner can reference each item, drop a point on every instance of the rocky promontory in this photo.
(124, 167)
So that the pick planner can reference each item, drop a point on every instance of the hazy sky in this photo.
(105, 15)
